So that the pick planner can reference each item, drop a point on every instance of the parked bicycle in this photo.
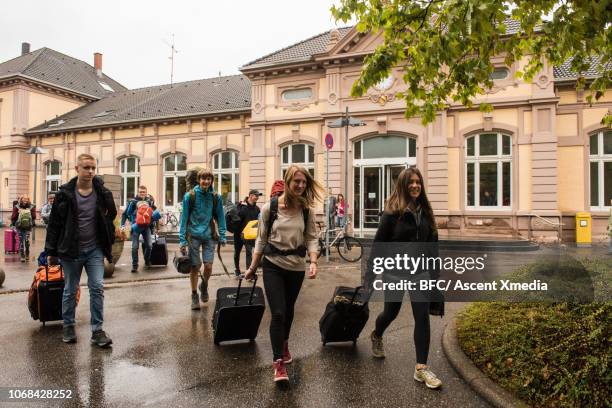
(168, 217)
(349, 248)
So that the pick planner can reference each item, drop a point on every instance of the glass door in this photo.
(372, 195)
(392, 173)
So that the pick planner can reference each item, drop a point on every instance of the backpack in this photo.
(24, 219)
(232, 218)
(144, 213)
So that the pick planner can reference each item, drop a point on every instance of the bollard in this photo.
(2, 276)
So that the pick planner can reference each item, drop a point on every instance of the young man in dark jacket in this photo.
(248, 211)
(81, 233)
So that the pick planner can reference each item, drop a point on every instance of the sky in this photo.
(134, 35)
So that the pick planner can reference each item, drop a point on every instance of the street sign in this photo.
(329, 141)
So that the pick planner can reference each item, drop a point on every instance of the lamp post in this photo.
(345, 122)
(36, 151)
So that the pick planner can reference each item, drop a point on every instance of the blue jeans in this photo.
(24, 241)
(146, 235)
(93, 261)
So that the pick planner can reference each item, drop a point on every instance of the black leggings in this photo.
(420, 311)
(282, 289)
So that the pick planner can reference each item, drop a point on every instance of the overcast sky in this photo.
(210, 36)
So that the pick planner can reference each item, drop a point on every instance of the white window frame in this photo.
(600, 158)
(233, 171)
(407, 159)
(125, 175)
(176, 175)
(307, 164)
(477, 159)
(50, 178)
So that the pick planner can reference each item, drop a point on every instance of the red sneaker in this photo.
(280, 371)
(286, 354)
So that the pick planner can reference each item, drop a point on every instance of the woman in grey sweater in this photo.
(286, 235)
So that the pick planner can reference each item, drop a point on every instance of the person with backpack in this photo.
(286, 234)
(408, 217)
(202, 214)
(81, 233)
(24, 214)
(247, 211)
(140, 214)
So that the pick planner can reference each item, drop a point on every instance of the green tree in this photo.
(445, 46)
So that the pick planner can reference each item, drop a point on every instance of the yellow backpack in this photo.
(250, 231)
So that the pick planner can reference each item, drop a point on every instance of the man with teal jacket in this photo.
(202, 226)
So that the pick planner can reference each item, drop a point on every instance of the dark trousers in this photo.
(420, 311)
(238, 244)
(282, 289)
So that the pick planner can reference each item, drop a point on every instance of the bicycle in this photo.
(349, 248)
(168, 217)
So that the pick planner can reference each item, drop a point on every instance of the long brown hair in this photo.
(312, 193)
(397, 203)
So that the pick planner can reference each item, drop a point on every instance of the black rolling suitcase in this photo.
(45, 296)
(238, 314)
(345, 315)
(159, 251)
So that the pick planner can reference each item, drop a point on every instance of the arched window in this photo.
(600, 169)
(175, 168)
(227, 177)
(53, 175)
(301, 154)
(488, 170)
(129, 169)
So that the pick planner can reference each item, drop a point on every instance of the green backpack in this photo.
(24, 219)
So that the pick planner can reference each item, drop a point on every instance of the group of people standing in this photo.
(81, 232)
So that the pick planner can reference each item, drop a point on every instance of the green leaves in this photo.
(445, 46)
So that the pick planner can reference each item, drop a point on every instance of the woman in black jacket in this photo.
(408, 217)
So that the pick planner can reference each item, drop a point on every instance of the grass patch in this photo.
(547, 354)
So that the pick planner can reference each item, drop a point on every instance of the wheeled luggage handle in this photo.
(252, 291)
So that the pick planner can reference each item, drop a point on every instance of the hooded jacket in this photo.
(196, 221)
(63, 232)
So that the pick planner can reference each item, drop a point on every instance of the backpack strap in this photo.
(273, 214)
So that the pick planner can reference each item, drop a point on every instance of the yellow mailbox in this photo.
(583, 229)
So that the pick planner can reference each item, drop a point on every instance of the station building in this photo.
(524, 169)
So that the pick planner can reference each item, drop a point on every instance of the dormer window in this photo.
(59, 122)
(106, 86)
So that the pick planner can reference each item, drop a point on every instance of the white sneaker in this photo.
(429, 378)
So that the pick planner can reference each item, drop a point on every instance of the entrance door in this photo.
(392, 173)
(373, 185)
(372, 196)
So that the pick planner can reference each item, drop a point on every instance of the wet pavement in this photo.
(163, 353)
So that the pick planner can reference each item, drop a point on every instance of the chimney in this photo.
(98, 64)
(25, 48)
